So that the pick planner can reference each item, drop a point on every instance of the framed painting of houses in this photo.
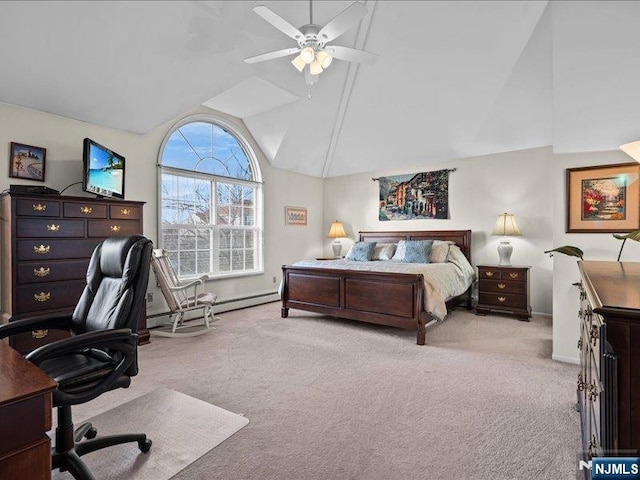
(603, 198)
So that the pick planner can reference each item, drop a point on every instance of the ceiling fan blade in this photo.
(342, 22)
(351, 54)
(278, 22)
(271, 55)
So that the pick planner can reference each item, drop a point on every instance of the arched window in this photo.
(210, 200)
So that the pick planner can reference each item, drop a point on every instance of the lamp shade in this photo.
(324, 58)
(315, 68)
(506, 226)
(337, 230)
(632, 149)
(307, 54)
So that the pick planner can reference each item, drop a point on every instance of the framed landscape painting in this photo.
(603, 199)
(26, 161)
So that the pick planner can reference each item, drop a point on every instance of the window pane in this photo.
(225, 239)
(170, 238)
(237, 239)
(224, 260)
(237, 260)
(187, 239)
(203, 261)
(248, 261)
(187, 263)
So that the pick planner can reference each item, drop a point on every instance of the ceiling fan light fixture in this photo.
(324, 59)
(315, 68)
(308, 55)
(299, 63)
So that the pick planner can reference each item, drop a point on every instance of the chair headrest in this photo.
(113, 255)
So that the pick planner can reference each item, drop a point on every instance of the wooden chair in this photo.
(182, 298)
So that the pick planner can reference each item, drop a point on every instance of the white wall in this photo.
(479, 190)
(63, 137)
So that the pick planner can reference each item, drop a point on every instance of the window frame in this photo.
(255, 183)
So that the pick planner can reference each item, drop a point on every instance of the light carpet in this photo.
(182, 429)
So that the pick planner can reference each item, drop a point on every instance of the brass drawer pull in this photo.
(115, 228)
(514, 275)
(593, 391)
(579, 344)
(53, 227)
(489, 274)
(594, 334)
(38, 207)
(501, 286)
(580, 382)
(86, 210)
(42, 297)
(41, 250)
(125, 211)
(41, 272)
(502, 299)
(39, 333)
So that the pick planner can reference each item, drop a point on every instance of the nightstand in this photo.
(504, 289)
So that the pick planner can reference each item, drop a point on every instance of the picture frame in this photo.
(296, 216)
(604, 198)
(27, 162)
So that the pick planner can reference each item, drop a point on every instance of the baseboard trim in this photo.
(560, 358)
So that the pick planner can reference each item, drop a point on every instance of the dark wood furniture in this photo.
(393, 299)
(25, 418)
(504, 289)
(45, 245)
(608, 382)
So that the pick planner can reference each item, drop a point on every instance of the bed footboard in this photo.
(382, 298)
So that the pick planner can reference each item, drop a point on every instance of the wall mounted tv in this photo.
(103, 170)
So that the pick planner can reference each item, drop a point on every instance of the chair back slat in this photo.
(167, 279)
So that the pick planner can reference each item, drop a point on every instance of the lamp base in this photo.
(337, 248)
(505, 250)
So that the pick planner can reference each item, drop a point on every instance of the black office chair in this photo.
(101, 355)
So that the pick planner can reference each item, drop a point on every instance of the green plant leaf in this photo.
(635, 235)
(567, 250)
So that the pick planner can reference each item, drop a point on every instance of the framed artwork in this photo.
(603, 199)
(27, 162)
(295, 216)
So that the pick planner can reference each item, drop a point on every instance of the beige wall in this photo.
(63, 138)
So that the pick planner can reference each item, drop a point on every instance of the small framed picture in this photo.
(603, 199)
(27, 162)
(295, 216)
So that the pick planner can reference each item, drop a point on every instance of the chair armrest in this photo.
(190, 283)
(121, 340)
(29, 324)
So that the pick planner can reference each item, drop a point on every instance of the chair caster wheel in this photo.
(145, 446)
(91, 433)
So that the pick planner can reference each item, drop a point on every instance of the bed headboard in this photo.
(462, 238)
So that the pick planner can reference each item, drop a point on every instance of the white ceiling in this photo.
(453, 79)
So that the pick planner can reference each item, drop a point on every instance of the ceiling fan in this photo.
(314, 53)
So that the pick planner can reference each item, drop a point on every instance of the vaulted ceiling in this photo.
(453, 79)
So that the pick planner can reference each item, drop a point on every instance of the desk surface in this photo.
(19, 378)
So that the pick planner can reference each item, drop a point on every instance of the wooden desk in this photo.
(25, 417)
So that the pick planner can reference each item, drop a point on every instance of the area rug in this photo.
(182, 429)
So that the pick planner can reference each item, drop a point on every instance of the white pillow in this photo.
(383, 251)
(400, 249)
(440, 251)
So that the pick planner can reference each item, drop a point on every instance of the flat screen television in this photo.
(103, 170)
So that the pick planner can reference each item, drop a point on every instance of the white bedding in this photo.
(442, 281)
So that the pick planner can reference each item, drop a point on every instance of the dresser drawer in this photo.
(27, 342)
(53, 228)
(514, 275)
(110, 228)
(502, 286)
(48, 296)
(124, 212)
(84, 210)
(47, 249)
(51, 271)
(503, 300)
(491, 273)
(37, 208)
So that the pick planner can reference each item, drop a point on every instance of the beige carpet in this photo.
(182, 429)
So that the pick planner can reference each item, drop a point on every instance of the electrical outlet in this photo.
(274, 280)
(149, 297)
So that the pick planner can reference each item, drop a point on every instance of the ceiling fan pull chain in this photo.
(311, 12)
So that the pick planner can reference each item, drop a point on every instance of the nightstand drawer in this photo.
(514, 275)
(503, 300)
(503, 286)
(491, 273)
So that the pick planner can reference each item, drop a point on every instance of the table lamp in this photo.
(507, 227)
(337, 232)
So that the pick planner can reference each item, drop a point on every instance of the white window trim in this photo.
(257, 173)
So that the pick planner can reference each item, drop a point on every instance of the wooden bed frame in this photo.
(394, 299)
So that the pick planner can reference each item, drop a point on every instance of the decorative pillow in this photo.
(383, 251)
(400, 249)
(440, 251)
(361, 251)
(417, 251)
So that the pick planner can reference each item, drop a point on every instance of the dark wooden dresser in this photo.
(45, 245)
(608, 386)
(503, 289)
